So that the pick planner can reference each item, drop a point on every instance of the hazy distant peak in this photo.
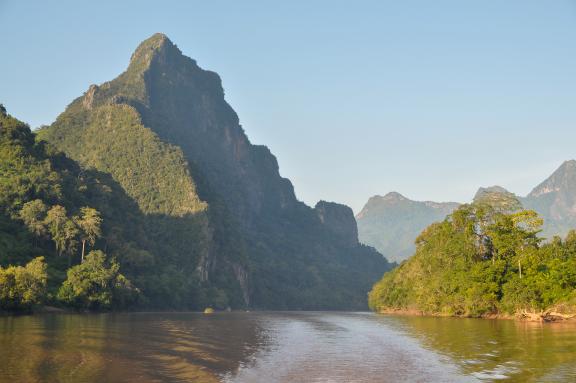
(395, 196)
(387, 197)
(563, 179)
(391, 222)
(498, 198)
(377, 201)
(489, 190)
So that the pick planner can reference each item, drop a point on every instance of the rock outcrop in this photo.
(339, 219)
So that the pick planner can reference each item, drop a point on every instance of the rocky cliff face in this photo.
(164, 131)
(392, 222)
(555, 200)
(338, 219)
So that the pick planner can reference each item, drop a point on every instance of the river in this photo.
(281, 347)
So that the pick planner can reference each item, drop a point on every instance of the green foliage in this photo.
(89, 223)
(114, 140)
(49, 205)
(22, 288)
(97, 284)
(33, 213)
(480, 261)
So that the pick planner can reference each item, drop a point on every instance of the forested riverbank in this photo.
(484, 260)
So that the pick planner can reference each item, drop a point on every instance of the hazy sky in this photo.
(428, 98)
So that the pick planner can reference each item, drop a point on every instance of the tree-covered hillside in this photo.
(484, 260)
(213, 210)
(53, 208)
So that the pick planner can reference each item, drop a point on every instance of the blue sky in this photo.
(428, 98)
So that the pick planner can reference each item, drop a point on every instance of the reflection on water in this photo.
(500, 350)
(281, 347)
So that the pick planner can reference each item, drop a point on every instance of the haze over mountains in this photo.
(391, 223)
(213, 210)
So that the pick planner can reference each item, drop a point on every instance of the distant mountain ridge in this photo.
(555, 200)
(391, 223)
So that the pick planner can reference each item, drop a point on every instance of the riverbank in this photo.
(526, 316)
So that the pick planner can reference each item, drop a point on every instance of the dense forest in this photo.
(485, 259)
(146, 193)
(50, 227)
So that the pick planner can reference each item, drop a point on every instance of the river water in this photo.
(281, 347)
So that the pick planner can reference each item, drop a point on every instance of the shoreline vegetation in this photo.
(545, 316)
(485, 260)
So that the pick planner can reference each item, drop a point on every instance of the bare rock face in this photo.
(339, 219)
(555, 200)
(89, 97)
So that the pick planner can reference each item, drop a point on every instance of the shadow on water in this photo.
(155, 347)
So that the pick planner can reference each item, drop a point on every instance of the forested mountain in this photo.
(392, 222)
(192, 214)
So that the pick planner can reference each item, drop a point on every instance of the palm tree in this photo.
(89, 223)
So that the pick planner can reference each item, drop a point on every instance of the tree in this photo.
(97, 284)
(62, 230)
(33, 214)
(89, 223)
(528, 224)
(23, 287)
(55, 220)
(70, 236)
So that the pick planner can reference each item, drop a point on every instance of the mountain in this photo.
(555, 200)
(164, 133)
(498, 198)
(391, 223)
(482, 192)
